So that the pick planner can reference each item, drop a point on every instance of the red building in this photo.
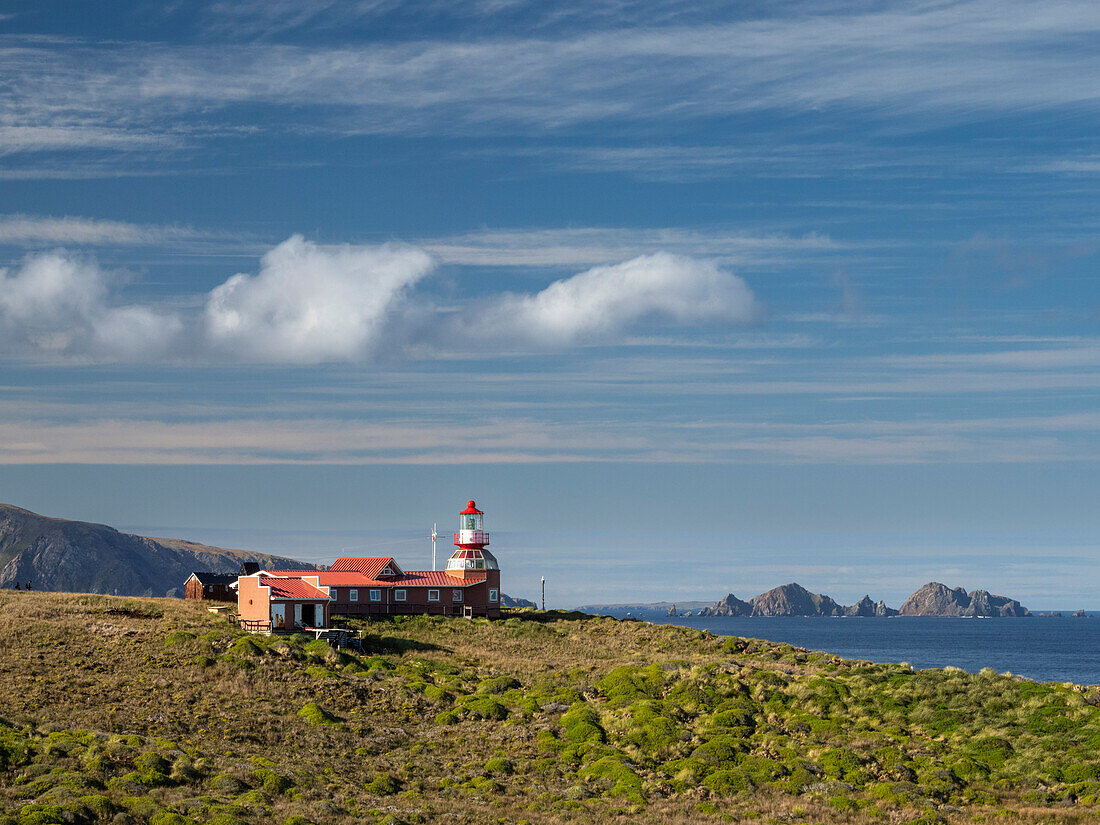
(377, 586)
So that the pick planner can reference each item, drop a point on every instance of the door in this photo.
(278, 616)
(298, 615)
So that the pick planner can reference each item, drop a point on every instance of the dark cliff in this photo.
(794, 600)
(729, 606)
(76, 556)
(866, 607)
(935, 599)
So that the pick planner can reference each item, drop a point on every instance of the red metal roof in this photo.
(411, 578)
(289, 588)
(471, 509)
(369, 566)
(435, 578)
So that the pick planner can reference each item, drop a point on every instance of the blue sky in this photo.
(785, 291)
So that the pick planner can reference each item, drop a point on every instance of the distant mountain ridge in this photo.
(794, 600)
(933, 599)
(81, 557)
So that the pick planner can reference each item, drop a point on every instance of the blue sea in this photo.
(1048, 649)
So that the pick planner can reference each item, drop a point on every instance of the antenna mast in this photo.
(433, 546)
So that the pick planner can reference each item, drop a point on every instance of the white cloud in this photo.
(955, 61)
(605, 300)
(32, 229)
(57, 304)
(589, 246)
(310, 304)
(55, 138)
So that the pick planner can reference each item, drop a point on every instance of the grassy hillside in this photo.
(152, 710)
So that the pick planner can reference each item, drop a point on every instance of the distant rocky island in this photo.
(934, 599)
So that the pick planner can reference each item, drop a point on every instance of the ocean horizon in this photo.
(1044, 648)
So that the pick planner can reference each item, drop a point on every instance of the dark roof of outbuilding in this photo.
(205, 577)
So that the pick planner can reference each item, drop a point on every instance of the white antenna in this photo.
(433, 546)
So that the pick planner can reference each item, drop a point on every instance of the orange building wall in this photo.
(253, 601)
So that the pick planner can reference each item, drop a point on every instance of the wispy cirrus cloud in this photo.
(59, 137)
(34, 230)
(450, 436)
(959, 61)
(590, 246)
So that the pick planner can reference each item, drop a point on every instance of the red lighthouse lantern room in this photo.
(470, 558)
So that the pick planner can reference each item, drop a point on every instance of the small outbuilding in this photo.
(204, 586)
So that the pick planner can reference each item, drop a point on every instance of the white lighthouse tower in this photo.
(470, 558)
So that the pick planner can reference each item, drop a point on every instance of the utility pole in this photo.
(544, 592)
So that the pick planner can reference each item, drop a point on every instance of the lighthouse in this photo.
(378, 586)
(470, 559)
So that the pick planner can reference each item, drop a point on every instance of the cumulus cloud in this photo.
(605, 300)
(59, 304)
(309, 304)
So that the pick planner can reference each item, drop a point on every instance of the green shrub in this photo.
(178, 637)
(618, 778)
(1079, 772)
(990, 750)
(170, 818)
(383, 785)
(477, 706)
(582, 724)
(228, 784)
(436, 693)
(317, 715)
(152, 762)
(841, 763)
(41, 815)
(627, 684)
(499, 765)
(729, 782)
(650, 729)
(738, 720)
(271, 782)
(499, 684)
(245, 646)
(720, 751)
(100, 805)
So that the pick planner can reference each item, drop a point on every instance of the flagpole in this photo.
(433, 546)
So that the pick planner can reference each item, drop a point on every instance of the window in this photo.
(375, 595)
(399, 595)
(353, 595)
(480, 565)
(456, 595)
(492, 595)
(433, 595)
